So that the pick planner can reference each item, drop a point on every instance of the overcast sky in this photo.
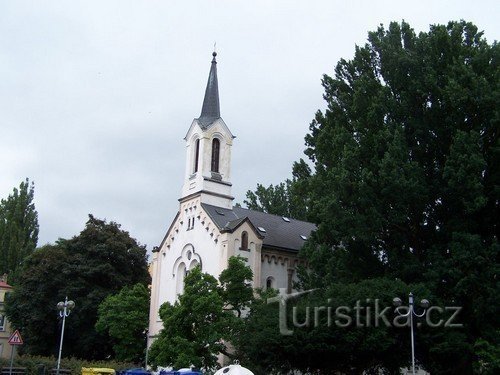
(96, 96)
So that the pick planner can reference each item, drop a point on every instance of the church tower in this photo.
(208, 151)
(207, 230)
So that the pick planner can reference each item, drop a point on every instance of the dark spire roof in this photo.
(210, 110)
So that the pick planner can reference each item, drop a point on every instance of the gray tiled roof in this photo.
(278, 232)
(210, 110)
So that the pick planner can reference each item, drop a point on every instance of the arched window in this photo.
(244, 241)
(194, 264)
(215, 155)
(187, 260)
(181, 273)
(196, 154)
(270, 282)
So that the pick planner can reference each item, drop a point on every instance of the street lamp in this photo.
(64, 311)
(146, 332)
(411, 312)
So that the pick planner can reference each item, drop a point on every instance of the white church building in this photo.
(208, 229)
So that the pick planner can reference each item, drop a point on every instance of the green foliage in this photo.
(197, 327)
(125, 317)
(405, 186)
(322, 344)
(408, 150)
(18, 228)
(488, 357)
(31, 307)
(288, 198)
(33, 363)
(192, 325)
(259, 345)
(98, 262)
(273, 199)
(236, 290)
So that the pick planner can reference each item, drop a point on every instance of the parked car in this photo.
(97, 371)
(234, 370)
(133, 371)
(182, 371)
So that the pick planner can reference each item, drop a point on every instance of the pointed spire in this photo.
(211, 110)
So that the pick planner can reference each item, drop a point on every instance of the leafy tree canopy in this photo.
(18, 228)
(322, 339)
(407, 151)
(98, 262)
(125, 316)
(288, 198)
(405, 178)
(236, 290)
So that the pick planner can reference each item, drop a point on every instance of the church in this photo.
(208, 229)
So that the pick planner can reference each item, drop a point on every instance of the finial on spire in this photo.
(214, 53)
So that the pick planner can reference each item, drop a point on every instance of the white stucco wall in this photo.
(251, 254)
(275, 269)
(192, 239)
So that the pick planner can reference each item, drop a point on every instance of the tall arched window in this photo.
(196, 154)
(244, 241)
(215, 155)
(181, 273)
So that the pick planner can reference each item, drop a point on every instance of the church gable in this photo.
(217, 127)
(190, 216)
(193, 239)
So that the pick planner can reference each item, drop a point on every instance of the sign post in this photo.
(14, 340)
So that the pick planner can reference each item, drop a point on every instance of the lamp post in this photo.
(410, 313)
(146, 332)
(64, 311)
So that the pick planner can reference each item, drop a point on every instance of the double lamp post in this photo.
(64, 311)
(411, 313)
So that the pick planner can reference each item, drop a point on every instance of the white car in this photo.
(234, 370)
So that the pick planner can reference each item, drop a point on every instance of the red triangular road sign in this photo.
(15, 338)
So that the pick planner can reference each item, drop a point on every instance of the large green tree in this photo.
(18, 228)
(125, 317)
(98, 262)
(405, 179)
(206, 316)
(408, 151)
